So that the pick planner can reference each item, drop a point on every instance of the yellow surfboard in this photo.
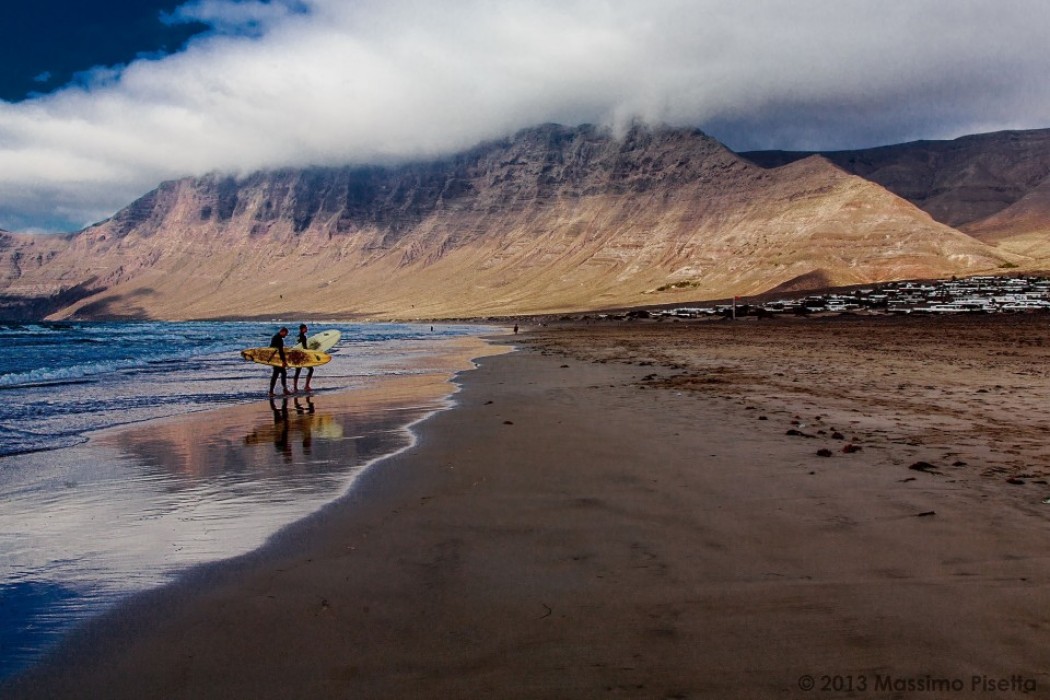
(295, 357)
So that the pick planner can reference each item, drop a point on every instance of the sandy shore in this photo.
(654, 511)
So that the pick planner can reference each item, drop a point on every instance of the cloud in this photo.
(248, 17)
(332, 82)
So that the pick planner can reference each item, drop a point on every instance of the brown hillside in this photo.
(957, 182)
(555, 219)
(1023, 228)
(26, 290)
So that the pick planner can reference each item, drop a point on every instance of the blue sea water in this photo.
(85, 524)
(61, 380)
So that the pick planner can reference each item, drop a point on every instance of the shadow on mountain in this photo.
(116, 307)
(20, 308)
(815, 280)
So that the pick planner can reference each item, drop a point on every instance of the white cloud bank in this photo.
(353, 81)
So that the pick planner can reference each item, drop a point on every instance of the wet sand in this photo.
(653, 510)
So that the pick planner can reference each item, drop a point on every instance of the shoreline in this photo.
(624, 510)
(136, 505)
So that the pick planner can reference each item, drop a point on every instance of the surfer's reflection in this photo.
(299, 422)
(308, 432)
(279, 414)
(280, 435)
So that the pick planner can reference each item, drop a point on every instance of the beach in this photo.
(118, 474)
(794, 507)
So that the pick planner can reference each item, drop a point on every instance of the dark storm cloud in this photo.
(330, 81)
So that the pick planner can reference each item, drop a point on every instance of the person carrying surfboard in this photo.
(302, 341)
(277, 341)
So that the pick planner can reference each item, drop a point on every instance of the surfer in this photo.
(277, 341)
(309, 370)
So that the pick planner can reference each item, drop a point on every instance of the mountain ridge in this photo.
(552, 219)
(958, 181)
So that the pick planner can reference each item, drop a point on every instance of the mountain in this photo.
(957, 182)
(553, 219)
(25, 290)
(1023, 228)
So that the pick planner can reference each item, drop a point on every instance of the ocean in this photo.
(115, 476)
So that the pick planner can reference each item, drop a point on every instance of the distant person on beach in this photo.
(515, 329)
(277, 341)
(309, 370)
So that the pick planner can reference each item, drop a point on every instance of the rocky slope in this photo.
(957, 182)
(1023, 228)
(26, 289)
(553, 219)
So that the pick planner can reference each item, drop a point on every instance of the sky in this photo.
(102, 101)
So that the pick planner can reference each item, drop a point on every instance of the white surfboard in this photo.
(320, 342)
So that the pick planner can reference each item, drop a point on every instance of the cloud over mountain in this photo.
(295, 82)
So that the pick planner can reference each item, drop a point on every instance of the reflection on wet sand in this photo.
(308, 440)
(134, 506)
(300, 424)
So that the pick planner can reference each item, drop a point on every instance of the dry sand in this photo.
(619, 510)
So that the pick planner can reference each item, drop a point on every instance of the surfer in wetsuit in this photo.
(277, 341)
(309, 370)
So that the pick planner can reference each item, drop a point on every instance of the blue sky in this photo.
(56, 39)
(100, 102)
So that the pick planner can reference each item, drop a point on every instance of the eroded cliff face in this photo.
(26, 288)
(554, 219)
